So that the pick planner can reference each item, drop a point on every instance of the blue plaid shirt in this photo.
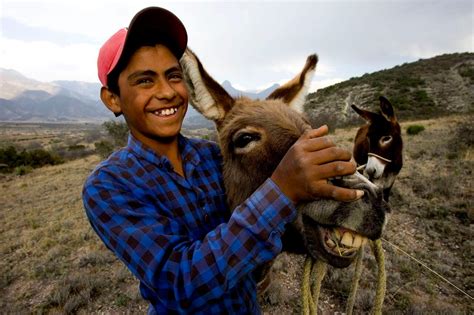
(177, 235)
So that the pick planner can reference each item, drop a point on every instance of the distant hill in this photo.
(426, 88)
(250, 94)
(13, 83)
(423, 89)
(25, 99)
(89, 89)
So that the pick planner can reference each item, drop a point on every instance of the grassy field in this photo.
(49, 135)
(52, 262)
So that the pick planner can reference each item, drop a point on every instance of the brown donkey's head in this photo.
(379, 145)
(254, 135)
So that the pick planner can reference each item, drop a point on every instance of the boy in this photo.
(159, 203)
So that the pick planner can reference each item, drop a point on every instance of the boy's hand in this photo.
(304, 171)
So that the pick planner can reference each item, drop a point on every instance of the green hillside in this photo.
(426, 88)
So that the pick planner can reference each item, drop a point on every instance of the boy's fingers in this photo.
(316, 144)
(315, 133)
(331, 154)
(339, 193)
(335, 169)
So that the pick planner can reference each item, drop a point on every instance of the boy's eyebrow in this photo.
(141, 73)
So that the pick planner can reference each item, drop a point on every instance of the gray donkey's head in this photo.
(254, 135)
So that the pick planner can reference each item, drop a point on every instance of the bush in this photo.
(118, 131)
(74, 147)
(14, 160)
(23, 170)
(104, 148)
(415, 129)
(467, 71)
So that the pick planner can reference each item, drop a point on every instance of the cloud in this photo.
(13, 29)
(46, 61)
(252, 44)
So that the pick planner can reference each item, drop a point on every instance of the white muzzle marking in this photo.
(375, 167)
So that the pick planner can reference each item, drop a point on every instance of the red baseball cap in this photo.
(149, 26)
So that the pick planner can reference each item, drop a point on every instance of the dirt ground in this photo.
(52, 262)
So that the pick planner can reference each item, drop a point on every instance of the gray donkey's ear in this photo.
(206, 95)
(294, 92)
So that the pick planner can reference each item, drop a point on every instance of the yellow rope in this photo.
(381, 277)
(355, 281)
(307, 303)
(318, 272)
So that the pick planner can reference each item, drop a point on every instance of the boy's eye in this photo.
(175, 76)
(144, 81)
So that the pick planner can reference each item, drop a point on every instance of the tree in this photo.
(118, 131)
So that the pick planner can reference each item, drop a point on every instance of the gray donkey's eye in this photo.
(243, 139)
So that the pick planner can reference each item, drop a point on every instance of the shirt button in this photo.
(206, 218)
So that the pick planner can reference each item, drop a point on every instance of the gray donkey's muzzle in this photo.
(334, 231)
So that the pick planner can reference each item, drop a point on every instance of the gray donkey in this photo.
(254, 135)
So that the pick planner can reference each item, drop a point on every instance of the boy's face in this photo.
(153, 96)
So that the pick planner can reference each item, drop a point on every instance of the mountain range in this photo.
(23, 99)
(426, 88)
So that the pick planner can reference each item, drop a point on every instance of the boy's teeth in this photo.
(165, 112)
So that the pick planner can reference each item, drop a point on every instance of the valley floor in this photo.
(52, 262)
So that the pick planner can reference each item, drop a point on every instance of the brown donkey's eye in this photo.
(242, 140)
(385, 140)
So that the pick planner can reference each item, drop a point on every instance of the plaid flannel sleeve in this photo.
(186, 273)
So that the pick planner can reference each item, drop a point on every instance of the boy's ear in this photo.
(111, 100)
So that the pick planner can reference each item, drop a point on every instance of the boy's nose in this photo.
(165, 91)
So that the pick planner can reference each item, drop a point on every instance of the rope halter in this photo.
(379, 157)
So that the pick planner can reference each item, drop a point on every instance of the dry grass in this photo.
(51, 259)
(49, 136)
(52, 262)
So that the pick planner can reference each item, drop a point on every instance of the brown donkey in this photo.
(254, 135)
(378, 145)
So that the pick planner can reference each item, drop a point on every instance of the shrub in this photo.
(118, 131)
(467, 72)
(23, 170)
(415, 129)
(104, 148)
(420, 96)
(20, 161)
(462, 138)
(74, 147)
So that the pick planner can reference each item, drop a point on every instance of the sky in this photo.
(253, 44)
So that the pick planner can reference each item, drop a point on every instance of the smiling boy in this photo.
(159, 203)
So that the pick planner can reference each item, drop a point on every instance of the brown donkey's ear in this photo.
(294, 92)
(369, 116)
(206, 95)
